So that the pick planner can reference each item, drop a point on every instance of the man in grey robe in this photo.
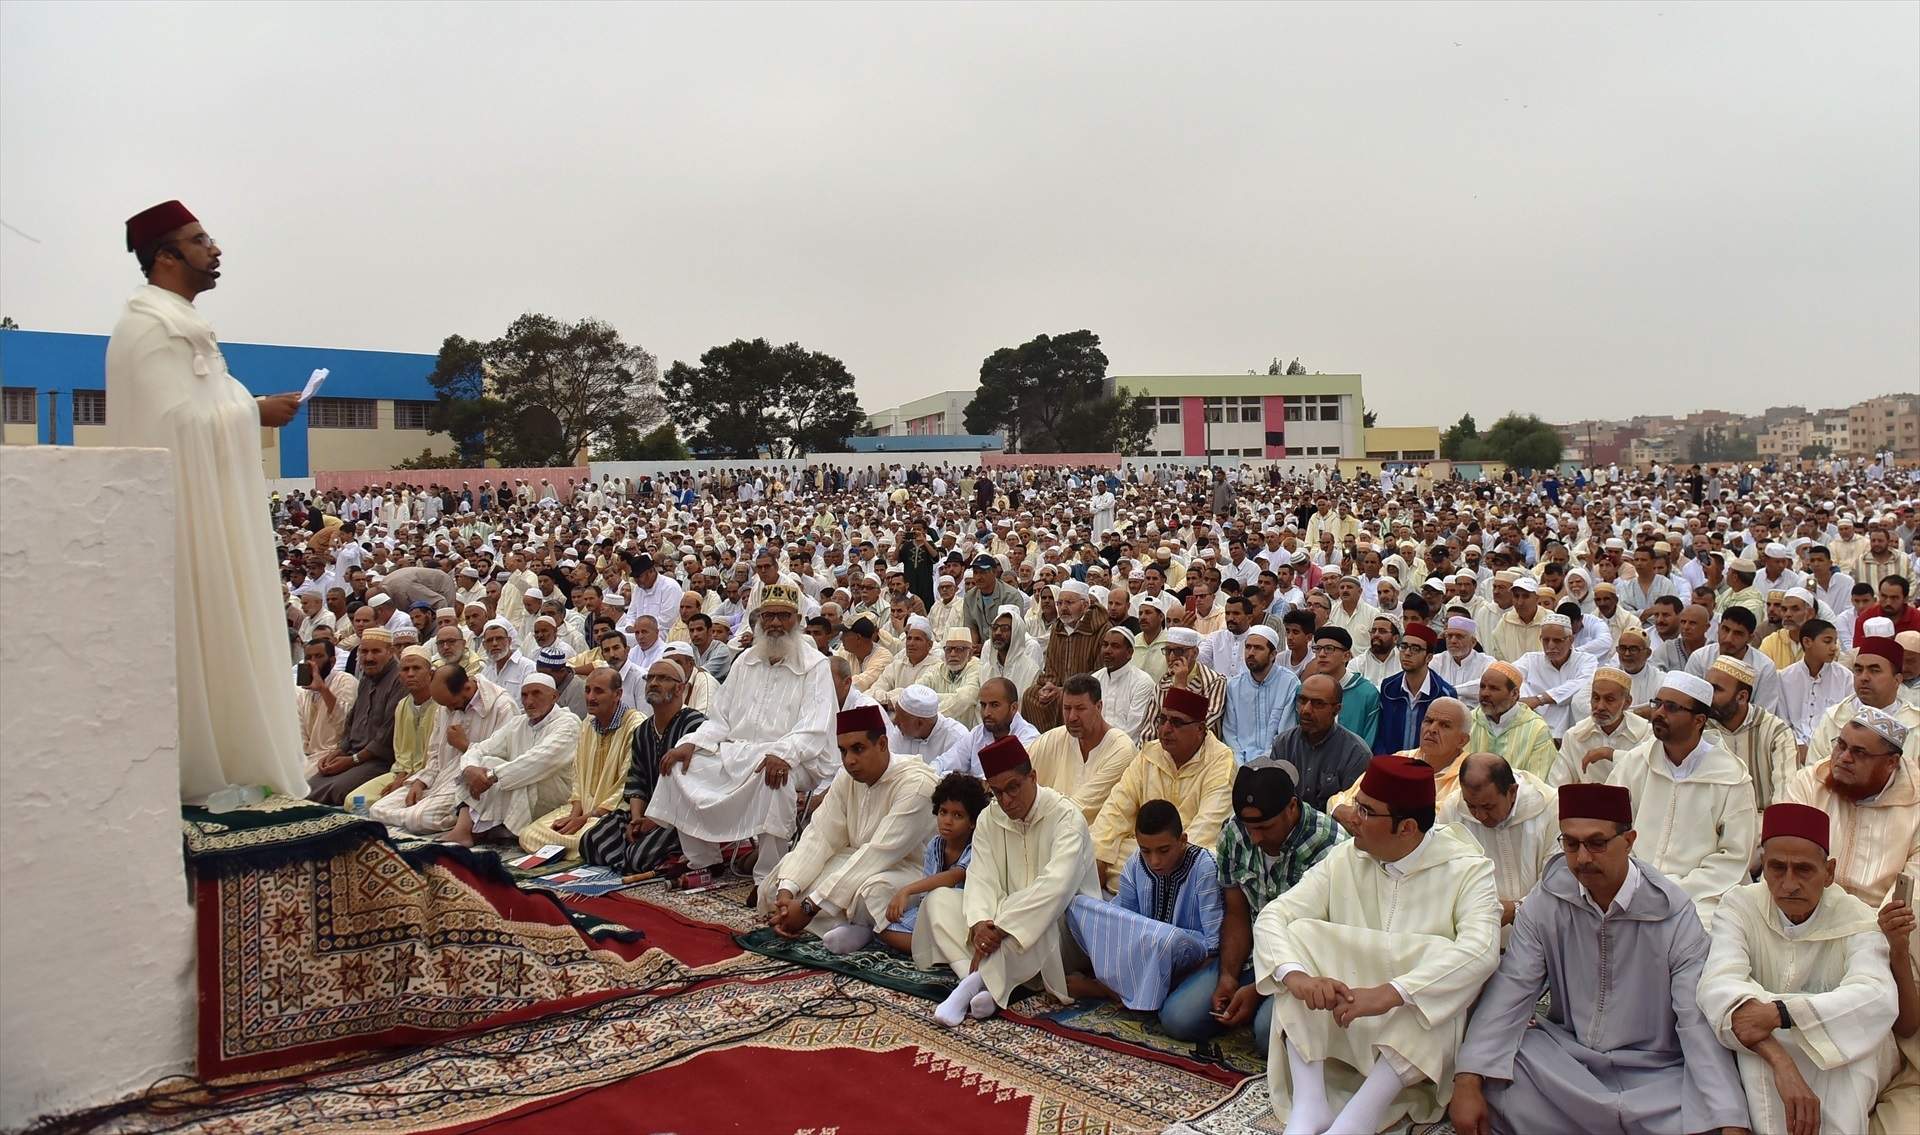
(1624, 1047)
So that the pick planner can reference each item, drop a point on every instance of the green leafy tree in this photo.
(1369, 419)
(428, 459)
(1461, 441)
(1047, 395)
(7, 323)
(1524, 442)
(594, 383)
(750, 397)
(663, 444)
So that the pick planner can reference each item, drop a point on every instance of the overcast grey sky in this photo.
(1568, 210)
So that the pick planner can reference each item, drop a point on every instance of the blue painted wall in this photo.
(53, 360)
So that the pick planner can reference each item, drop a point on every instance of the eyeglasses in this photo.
(1008, 790)
(1673, 706)
(1855, 752)
(1413, 644)
(1591, 846)
(1327, 648)
(1167, 723)
(1365, 813)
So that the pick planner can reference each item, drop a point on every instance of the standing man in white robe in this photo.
(1798, 986)
(1031, 855)
(737, 775)
(523, 771)
(168, 388)
(1380, 949)
(866, 840)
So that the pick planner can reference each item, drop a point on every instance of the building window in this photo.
(343, 414)
(89, 407)
(23, 405)
(412, 414)
(1167, 411)
(1313, 407)
(1233, 410)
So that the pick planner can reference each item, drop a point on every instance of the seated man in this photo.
(1126, 691)
(1443, 741)
(998, 716)
(1380, 949)
(866, 840)
(736, 775)
(1164, 921)
(1275, 838)
(1692, 798)
(523, 771)
(1586, 753)
(413, 720)
(600, 761)
(1031, 856)
(1325, 755)
(1261, 698)
(1624, 1047)
(627, 839)
(1508, 726)
(1511, 816)
(365, 750)
(1083, 757)
(1798, 985)
(957, 679)
(471, 710)
(323, 702)
(1184, 764)
(1556, 676)
(919, 728)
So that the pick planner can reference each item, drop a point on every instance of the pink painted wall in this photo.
(349, 480)
(1273, 415)
(1193, 425)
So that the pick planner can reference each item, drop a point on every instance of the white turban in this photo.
(919, 623)
(1183, 636)
(1263, 631)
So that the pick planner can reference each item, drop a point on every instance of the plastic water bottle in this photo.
(360, 805)
(235, 796)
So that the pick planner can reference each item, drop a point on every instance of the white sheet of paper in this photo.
(313, 384)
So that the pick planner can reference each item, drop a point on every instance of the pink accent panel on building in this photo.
(1193, 424)
(347, 481)
(1273, 413)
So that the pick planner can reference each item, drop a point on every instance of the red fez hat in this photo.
(860, 719)
(1596, 802)
(1799, 820)
(1423, 632)
(1183, 700)
(1401, 783)
(1003, 755)
(144, 229)
(1884, 647)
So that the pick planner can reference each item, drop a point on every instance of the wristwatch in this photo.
(810, 907)
(1786, 1019)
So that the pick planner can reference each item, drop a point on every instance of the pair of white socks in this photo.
(968, 999)
(1312, 1115)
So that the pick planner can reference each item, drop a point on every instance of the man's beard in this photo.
(774, 646)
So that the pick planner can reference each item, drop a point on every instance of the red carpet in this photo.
(749, 1089)
(691, 942)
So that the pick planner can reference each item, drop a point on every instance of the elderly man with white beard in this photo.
(914, 662)
(503, 665)
(1586, 753)
(736, 776)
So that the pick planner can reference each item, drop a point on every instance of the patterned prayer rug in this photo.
(876, 964)
(1248, 1111)
(723, 904)
(811, 1052)
(319, 937)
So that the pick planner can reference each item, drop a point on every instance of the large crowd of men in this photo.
(1364, 765)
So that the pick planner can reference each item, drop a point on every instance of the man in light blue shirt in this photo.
(1260, 699)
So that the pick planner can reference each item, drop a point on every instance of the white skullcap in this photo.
(546, 619)
(380, 600)
(615, 600)
(1462, 623)
(1681, 682)
(1877, 627)
(533, 593)
(920, 701)
(678, 650)
(1099, 594)
(476, 603)
(1008, 610)
(1803, 595)
(1778, 551)
(1120, 630)
(446, 611)
(539, 680)
(1183, 636)
(919, 623)
(1263, 631)
(1556, 620)
(1075, 587)
(502, 624)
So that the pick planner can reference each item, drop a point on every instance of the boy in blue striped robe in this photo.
(1164, 921)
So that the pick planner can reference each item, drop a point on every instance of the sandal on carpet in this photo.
(694, 880)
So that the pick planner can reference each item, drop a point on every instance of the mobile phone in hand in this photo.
(1903, 889)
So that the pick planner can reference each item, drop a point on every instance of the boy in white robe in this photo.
(1381, 949)
(1164, 921)
(523, 771)
(1031, 855)
(1798, 986)
(864, 842)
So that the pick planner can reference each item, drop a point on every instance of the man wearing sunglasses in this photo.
(1618, 945)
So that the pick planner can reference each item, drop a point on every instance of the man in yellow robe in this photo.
(599, 764)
